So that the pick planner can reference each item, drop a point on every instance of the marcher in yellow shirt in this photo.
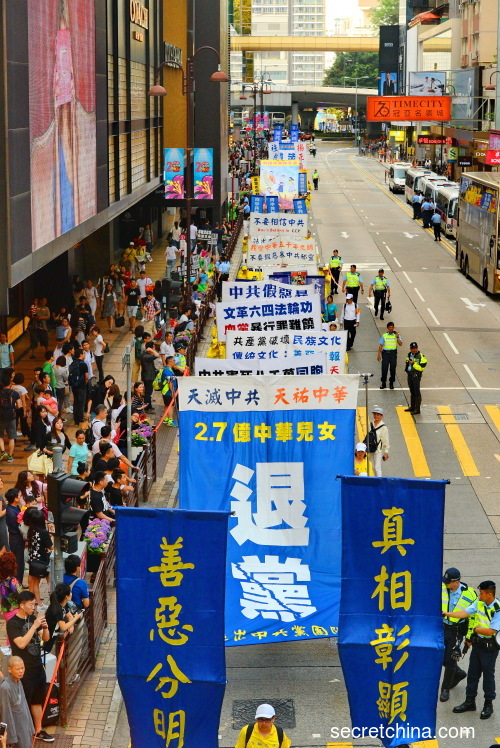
(264, 733)
(360, 459)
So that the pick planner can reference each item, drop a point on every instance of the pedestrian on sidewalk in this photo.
(263, 732)
(16, 540)
(77, 379)
(15, 710)
(24, 631)
(9, 400)
(133, 296)
(381, 451)
(352, 283)
(171, 253)
(148, 371)
(349, 317)
(6, 353)
(388, 354)
(381, 289)
(436, 225)
(315, 177)
(150, 311)
(137, 344)
(109, 306)
(414, 366)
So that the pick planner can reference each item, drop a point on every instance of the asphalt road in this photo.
(456, 437)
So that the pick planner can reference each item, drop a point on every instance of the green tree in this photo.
(387, 13)
(351, 65)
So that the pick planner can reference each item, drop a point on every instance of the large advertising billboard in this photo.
(62, 109)
(411, 108)
(427, 84)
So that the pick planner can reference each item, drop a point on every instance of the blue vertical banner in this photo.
(278, 133)
(302, 182)
(299, 206)
(272, 202)
(391, 631)
(294, 133)
(173, 173)
(170, 624)
(256, 203)
(203, 173)
(258, 446)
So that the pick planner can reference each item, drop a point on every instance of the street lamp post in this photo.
(187, 89)
(359, 78)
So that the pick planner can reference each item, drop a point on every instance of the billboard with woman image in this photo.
(61, 39)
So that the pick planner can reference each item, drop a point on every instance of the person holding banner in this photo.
(263, 733)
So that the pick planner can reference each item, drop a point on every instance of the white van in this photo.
(414, 177)
(429, 185)
(447, 205)
(397, 176)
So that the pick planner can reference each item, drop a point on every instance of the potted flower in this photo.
(97, 539)
(140, 439)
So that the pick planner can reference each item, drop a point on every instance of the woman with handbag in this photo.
(57, 437)
(40, 545)
(31, 489)
(109, 306)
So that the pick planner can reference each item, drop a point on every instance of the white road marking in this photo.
(472, 305)
(409, 236)
(419, 295)
(344, 235)
(397, 261)
(316, 735)
(407, 277)
(388, 249)
(471, 375)
(434, 317)
(450, 342)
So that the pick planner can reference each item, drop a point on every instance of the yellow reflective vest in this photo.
(335, 262)
(380, 284)
(418, 362)
(390, 341)
(467, 597)
(484, 616)
(352, 280)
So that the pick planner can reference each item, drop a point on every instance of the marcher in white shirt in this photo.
(142, 282)
(349, 317)
(166, 348)
(382, 433)
(92, 296)
(171, 259)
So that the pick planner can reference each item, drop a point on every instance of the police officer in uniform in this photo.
(352, 283)
(381, 289)
(335, 268)
(414, 367)
(388, 354)
(455, 596)
(484, 648)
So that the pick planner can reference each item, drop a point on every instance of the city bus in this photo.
(413, 179)
(447, 204)
(478, 250)
(397, 176)
(277, 118)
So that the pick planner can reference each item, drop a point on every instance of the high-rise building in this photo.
(290, 18)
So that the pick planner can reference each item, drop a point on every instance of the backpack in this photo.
(89, 435)
(371, 440)
(7, 408)
(249, 732)
(157, 385)
(75, 377)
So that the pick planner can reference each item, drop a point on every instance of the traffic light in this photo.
(62, 490)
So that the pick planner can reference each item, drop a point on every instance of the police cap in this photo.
(451, 575)
(487, 585)
(413, 345)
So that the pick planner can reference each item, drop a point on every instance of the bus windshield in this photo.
(399, 173)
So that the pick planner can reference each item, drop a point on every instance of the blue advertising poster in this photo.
(256, 204)
(272, 204)
(299, 206)
(258, 446)
(302, 182)
(170, 624)
(391, 631)
(203, 173)
(173, 173)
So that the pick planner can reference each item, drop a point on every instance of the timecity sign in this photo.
(412, 108)
(139, 14)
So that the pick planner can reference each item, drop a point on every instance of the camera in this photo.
(3, 728)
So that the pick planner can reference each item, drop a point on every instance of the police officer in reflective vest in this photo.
(388, 354)
(455, 596)
(381, 288)
(335, 268)
(352, 283)
(414, 366)
(484, 648)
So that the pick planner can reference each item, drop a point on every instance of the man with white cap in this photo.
(377, 441)
(263, 733)
(349, 317)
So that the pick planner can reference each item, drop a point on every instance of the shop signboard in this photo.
(412, 108)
